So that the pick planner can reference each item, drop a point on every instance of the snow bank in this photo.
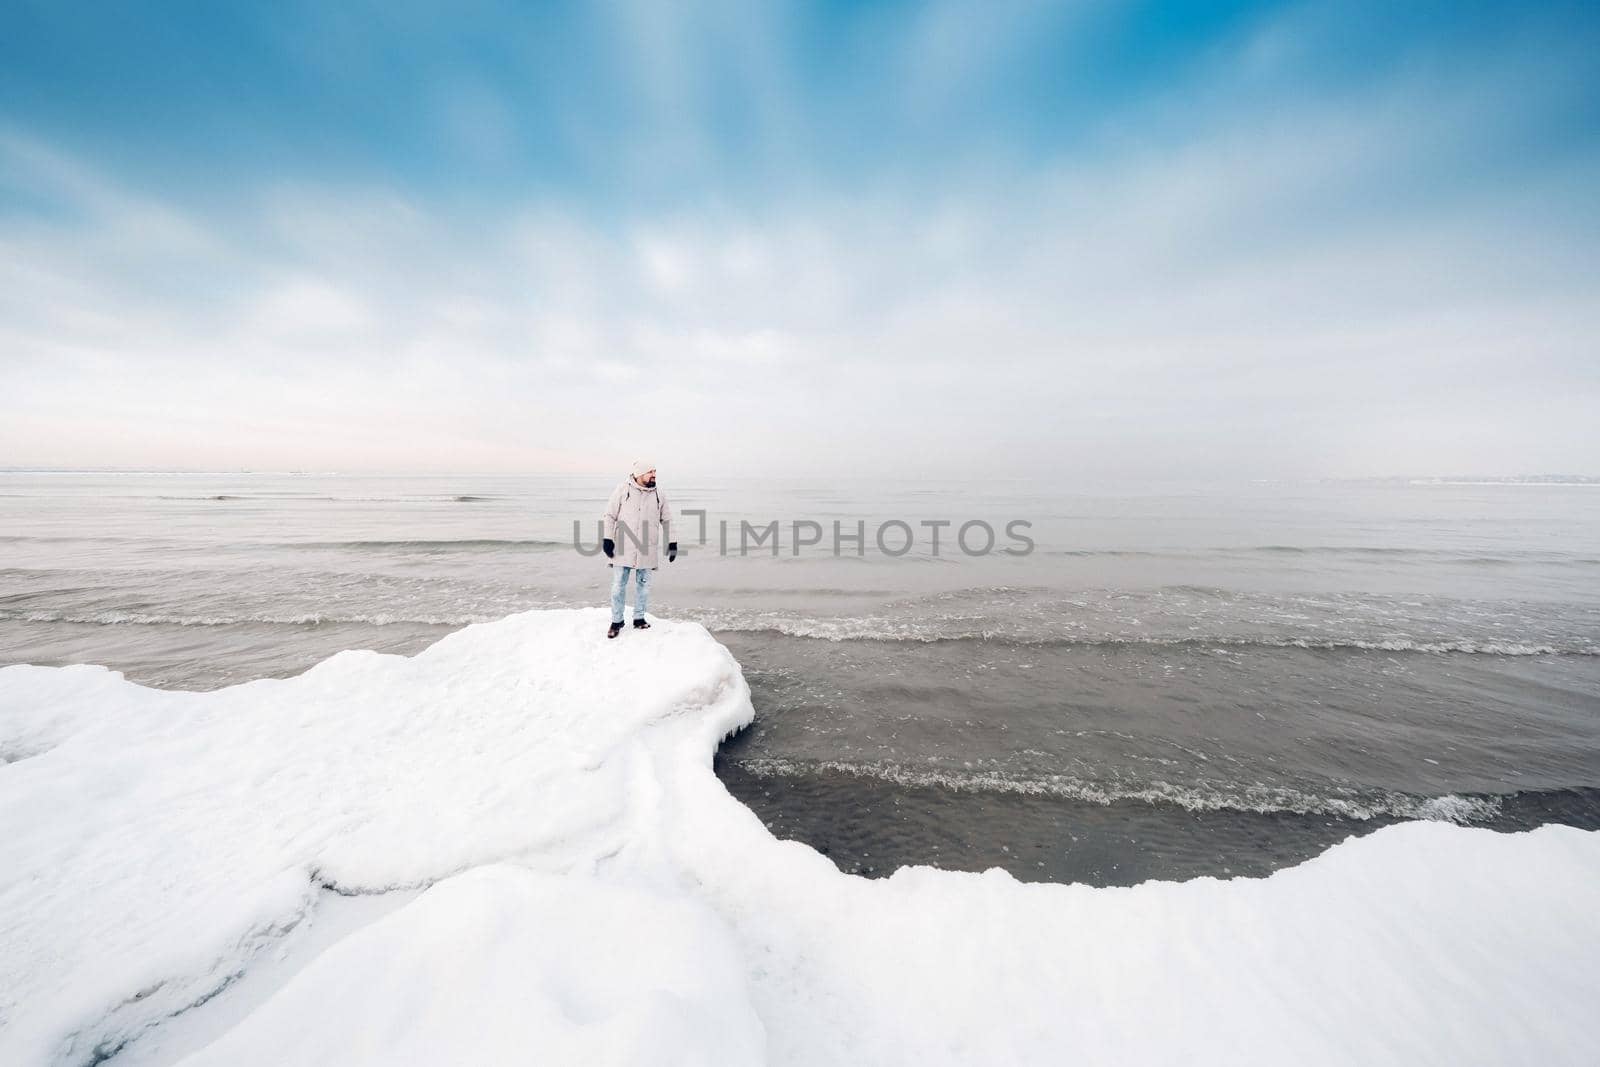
(523, 966)
(596, 896)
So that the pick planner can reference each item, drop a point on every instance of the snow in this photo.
(590, 893)
(581, 971)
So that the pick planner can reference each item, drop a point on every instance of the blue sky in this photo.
(1181, 239)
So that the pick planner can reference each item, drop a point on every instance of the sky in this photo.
(998, 239)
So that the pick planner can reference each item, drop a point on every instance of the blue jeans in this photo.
(619, 591)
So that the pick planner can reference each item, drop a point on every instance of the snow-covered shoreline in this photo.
(590, 893)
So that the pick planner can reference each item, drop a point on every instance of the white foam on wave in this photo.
(593, 894)
(924, 629)
(154, 618)
(1261, 799)
(932, 630)
(828, 629)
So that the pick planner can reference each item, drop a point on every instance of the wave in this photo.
(270, 498)
(39, 539)
(405, 545)
(1334, 550)
(476, 544)
(1259, 799)
(1573, 806)
(1355, 551)
(1119, 552)
(841, 630)
(818, 591)
(142, 618)
(296, 498)
(216, 496)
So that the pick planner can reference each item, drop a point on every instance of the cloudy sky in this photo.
(998, 238)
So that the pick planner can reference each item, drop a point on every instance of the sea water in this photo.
(1137, 681)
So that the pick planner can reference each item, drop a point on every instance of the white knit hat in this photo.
(642, 467)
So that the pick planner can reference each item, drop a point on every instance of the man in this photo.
(638, 521)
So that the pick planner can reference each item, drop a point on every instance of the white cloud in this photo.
(310, 311)
(1220, 300)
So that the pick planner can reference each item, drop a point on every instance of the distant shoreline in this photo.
(1420, 480)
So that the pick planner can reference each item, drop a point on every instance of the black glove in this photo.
(610, 548)
(672, 552)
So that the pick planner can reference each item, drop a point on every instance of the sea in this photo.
(1075, 682)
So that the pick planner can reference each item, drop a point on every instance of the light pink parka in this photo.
(648, 520)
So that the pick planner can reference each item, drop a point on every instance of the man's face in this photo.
(648, 478)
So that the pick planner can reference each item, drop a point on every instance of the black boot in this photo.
(640, 624)
(616, 628)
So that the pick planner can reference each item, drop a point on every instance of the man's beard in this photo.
(649, 483)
